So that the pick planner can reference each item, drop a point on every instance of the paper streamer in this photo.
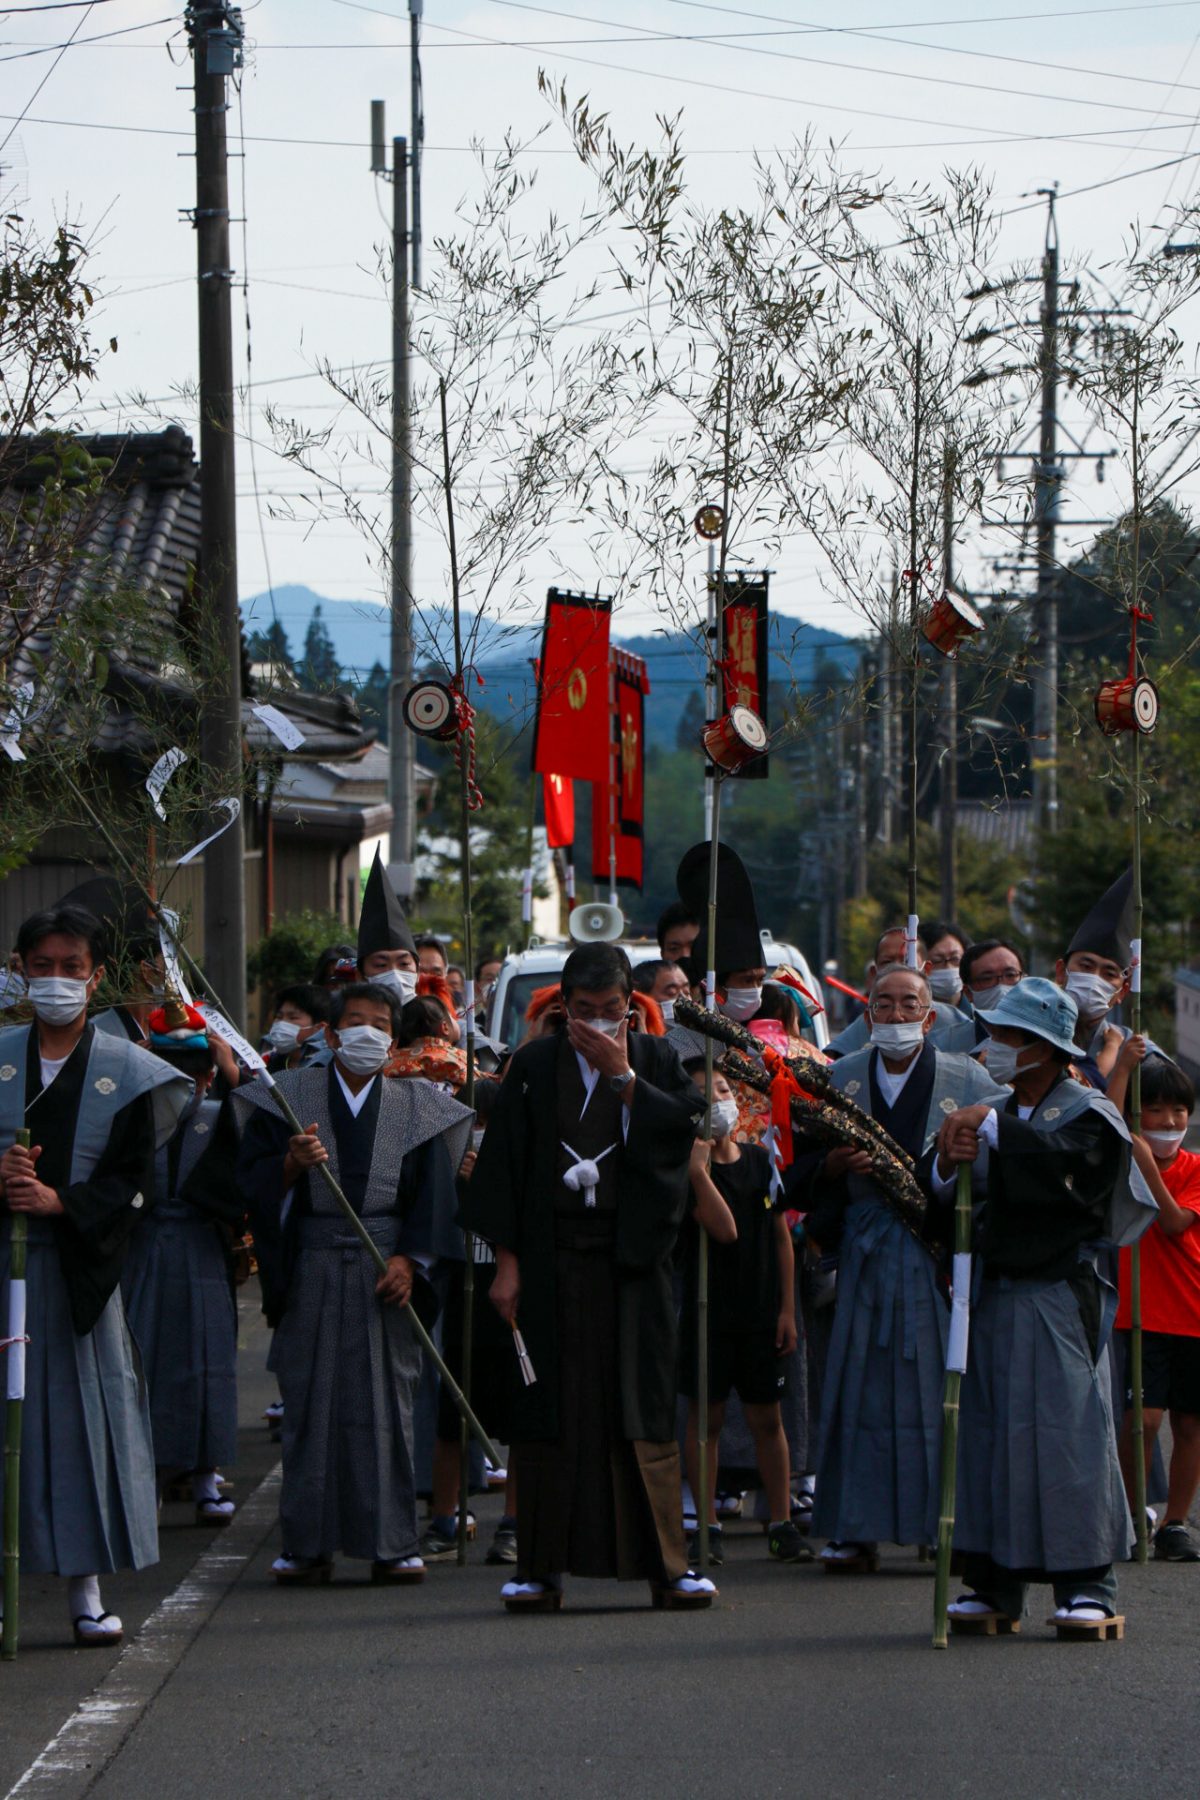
(527, 1374)
(160, 774)
(910, 941)
(960, 1314)
(240, 1046)
(10, 731)
(526, 896)
(469, 1010)
(710, 990)
(279, 725)
(16, 1340)
(168, 937)
(571, 882)
(1135, 965)
(233, 807)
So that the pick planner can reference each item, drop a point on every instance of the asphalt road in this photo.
(795, 1683)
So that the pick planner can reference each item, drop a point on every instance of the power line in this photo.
(101, 37)
(45, 78)
(824, 62)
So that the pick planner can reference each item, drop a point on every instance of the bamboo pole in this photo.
(950, 1399)
(13, 1414)
(1138, 1421)
(464, 826)
(702, 1505)
(356, 1225)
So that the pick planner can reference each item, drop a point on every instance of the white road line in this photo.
(78, 1754)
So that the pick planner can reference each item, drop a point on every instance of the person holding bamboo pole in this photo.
(1039, 1488)
(581, 1185)
(881, 1413)
(97, 1108)
(345, 1350)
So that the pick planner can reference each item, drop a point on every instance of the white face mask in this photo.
(741, 1004)
(609, 1027)
(945, 985)
(724, 1118)
(1165, 1144)
(900, 1038)
(1091, 993)
(986, 999)
(362, 1049)
(667, 1009)
(1003, 1062)
(284, 1034)
(57, 999)
(402, 982)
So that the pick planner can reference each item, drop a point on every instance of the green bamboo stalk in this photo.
(1138, 1423)
(14, 1409)
(702, 1507)
(950, 1397)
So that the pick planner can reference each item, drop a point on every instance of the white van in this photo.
(524, 971)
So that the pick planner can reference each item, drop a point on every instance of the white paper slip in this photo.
(280, 726)
(232, 808)
(240, 1046)
(160, 774)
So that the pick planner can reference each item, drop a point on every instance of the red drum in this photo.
(1130, 704)
(736, 739)
(429, 710)
(950, 622)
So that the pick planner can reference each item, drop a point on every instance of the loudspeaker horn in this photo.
(596, 923)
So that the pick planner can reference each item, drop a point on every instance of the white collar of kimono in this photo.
(892, 1086)
(355, 1102)
(590, 1078)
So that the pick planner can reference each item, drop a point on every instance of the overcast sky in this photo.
(1101, 99)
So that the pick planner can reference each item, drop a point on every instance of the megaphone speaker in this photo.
(596, 924)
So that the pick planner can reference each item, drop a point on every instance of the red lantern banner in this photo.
(618, 810)
(571, 733)
(744, 668)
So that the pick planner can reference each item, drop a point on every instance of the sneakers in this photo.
(716, 1548)
(1173, 1542)
(503, 1547)
(440, 1543)
(785, 1543)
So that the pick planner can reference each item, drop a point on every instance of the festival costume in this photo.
(594, 1450)
(347, 1366)
(88, 1503)
(1039, 1489)
(177, 1285)
(879, 1446)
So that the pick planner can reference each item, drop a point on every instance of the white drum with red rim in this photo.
(429, 710)
(736, 739)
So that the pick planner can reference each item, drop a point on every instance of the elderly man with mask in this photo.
(345, 1352)
(880, 1439)
(950, 1028)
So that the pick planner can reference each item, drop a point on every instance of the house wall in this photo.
(1187, 1020)
(318, 877)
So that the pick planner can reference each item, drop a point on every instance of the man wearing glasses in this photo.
(878, 1453)
(951, 1029)
(581, 1186)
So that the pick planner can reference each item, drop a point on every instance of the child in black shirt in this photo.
(751, 1317)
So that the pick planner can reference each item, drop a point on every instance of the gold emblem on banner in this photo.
(577, 690)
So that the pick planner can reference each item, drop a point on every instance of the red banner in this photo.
(558, 805)
(571, 733)
(746, 649)
(618, 812)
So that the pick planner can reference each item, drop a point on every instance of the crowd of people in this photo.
(661, 1259)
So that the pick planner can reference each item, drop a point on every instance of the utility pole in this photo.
(417, 130)
(401, 785)
(215, 37)
(948, 782)
(1047, 482)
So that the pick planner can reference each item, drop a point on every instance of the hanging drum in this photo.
(736, 739)
(709, 522)
(429, 710)
(951, 620)
(1130, 704)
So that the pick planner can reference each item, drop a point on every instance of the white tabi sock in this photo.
(83, 1597)
(204, 1485)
